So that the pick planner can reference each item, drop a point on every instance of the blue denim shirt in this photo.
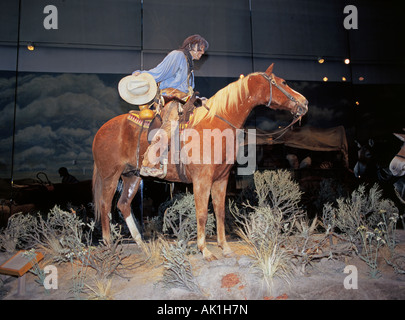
(172, 72)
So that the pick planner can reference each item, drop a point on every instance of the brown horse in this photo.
(115, 150)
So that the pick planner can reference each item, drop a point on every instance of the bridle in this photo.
(296, 118)
(272, 82)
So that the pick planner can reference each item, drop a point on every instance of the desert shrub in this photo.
(153, 227)
(16, 234)
(278, 190)
(267, 226)
(329, 191)
(59, 234)
(106, 260)
(178, 271)
(281, 237)
(263, 231)
(367, 220)
(361, 209)
(180, 218)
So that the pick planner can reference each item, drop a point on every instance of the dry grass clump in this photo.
(153, 250)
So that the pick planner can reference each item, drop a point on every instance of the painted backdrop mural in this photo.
(57, 116)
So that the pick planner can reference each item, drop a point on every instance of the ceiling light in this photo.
(30, 46)
(325, 79)
(347, 61)
(321, 60)
(361, 78)
(344, 79)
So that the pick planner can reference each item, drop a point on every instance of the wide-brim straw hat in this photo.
(139, 89)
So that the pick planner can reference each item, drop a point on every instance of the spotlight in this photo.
(344, 79)
(347, 61)
(361, 78)
(30, 46)
(325, 79)
(321, 60)
(357, 103)
(241, 76)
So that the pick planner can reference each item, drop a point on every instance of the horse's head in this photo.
(397, 165)
(281, 96)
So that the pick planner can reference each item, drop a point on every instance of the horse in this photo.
(118, 144)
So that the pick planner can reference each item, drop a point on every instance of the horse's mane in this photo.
(226, 100)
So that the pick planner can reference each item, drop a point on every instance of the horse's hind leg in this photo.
(130, 187)
(107, 194)
(218, 193)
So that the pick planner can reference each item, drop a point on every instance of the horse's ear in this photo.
(269, 70)
(400, 136)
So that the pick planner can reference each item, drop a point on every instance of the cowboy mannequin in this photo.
(176, 78)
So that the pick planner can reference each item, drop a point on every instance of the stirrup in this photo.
(152, 172)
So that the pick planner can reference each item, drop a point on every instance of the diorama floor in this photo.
(231, 278)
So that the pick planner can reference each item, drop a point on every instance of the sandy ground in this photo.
(229, 279)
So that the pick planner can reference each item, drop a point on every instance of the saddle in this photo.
(187, 105)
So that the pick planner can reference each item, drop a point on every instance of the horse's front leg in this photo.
(218, 193)
(201, 198)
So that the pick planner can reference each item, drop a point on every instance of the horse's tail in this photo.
(97, 192)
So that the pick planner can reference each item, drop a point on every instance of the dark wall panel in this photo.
(299, 28)
(76, 60)
(90, 22)
(380, 33)
(224, 23)
(8, 21)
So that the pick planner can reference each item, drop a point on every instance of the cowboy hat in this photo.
(138, 89)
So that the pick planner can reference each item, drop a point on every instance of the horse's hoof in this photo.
(228, 253)
(210, 258)
(226, 250)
